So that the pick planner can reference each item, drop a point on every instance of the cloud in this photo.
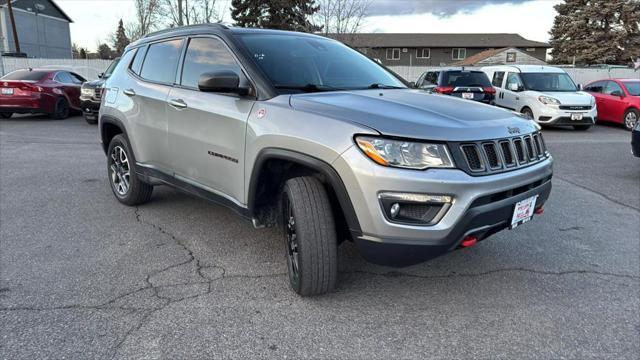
(440, 8)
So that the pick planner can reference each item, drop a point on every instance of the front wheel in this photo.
(631, 118)
(121, 167)
(310, 236)
(528, 113)
(6, 115)
(582, 127)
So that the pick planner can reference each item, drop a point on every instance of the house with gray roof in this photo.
(42, 26)
(394, 49)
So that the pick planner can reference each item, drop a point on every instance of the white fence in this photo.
(87, 68)
(579, 75)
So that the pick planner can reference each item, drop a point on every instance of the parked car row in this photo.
(544, 94)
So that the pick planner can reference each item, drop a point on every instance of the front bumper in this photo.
(90, 107)
(482, 205)
(547, 115)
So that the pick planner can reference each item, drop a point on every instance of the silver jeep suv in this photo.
(301, 131)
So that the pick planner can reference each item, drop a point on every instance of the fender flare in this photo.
(108, 119)
(316, 164)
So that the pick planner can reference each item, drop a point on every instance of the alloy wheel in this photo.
(291, 238)
(630, 120)
(119, 170)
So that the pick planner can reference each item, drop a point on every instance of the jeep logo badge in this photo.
(513, 130)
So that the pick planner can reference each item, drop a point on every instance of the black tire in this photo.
(137, 191)
(60, 109)
(91, 120)
(308, 222)
(528, 113)
(6, 115)
(582, 127)
(628, 121)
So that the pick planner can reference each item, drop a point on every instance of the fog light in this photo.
(395, 208)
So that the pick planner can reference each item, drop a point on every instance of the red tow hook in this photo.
(469, 241)
(539, 211)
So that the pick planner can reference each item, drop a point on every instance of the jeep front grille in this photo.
(494, 156)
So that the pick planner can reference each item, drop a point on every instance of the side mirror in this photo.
(514, 87)
(617, 93)
(100, 76)
(412, 84)
(223, 81)
(579, 87)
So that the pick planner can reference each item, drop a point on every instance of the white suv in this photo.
(542, 93)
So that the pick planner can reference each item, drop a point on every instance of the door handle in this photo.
(178, 103)
(129, 92)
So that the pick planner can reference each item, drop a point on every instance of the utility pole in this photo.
(13, 27)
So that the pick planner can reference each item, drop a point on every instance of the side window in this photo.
(513, 78)
(420, 80)
(596, 87)
(206, 55)
(136, 64)
(161, 61)
(77, 79)
(611, 88)
(432, 78)
(498, 76)
(64, 78)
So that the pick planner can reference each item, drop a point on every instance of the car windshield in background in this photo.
(465, 78)
(111, 67)
(306, 64)
(633, 87)
(548, 82)
(25, 75)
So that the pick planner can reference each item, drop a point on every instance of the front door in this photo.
(613, 102)
(512, 88)
(207, 130)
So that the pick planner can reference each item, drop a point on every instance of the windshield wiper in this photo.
(306, 88)
(383, 86)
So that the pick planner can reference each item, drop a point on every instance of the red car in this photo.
(617, 100)
(30, 91)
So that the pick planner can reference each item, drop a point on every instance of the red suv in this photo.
(30, 91)
(618, 100)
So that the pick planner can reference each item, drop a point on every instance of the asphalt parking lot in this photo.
(82, 276)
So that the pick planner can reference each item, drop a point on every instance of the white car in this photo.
(543, 93)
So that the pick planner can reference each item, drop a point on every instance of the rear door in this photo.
(596, 89)
(71, 86)
(152, 74)
(206, 129)
(497, 81)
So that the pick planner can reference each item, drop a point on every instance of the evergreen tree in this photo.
(105, 52)
(120, 39)
(294, 15)
(596, 31)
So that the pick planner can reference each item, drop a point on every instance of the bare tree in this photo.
(342, 17)
(146, 19)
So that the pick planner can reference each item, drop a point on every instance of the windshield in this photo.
(308, 64)
(633, 87)
(548, 82)
(25, 75)
(111, 67)
(465, 78)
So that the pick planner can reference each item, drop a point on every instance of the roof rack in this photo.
(208, 25)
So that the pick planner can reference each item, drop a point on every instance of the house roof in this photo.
(437, 40)
(471, 60)
(28, 5)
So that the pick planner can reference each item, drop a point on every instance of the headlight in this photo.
(87, 92)
(593, 101)
(548, 100)
(405, 154)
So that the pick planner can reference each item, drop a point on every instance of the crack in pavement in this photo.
(205, 278)
(605, 196)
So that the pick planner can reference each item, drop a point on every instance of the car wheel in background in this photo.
(631, 116)
(310, 236)
(5, 115)
(60, 109)
(527, 113)
(91, 119)
(582, 127)
(121, 167)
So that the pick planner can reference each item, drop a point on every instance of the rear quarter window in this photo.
(25, 75)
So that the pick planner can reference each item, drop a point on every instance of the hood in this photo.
(93, 83)
(416, 114)
(569, 98)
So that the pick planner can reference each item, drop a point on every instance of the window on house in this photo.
(511, 57)
(459, 53)
(393, 54)
(423, 53)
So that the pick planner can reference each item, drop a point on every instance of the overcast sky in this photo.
(94, 20)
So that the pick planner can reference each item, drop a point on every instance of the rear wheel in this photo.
(527, 113)
(60, 109)
(310, 236)
(121, 166)
(631, 118)
(582, 127)
(6, 115)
